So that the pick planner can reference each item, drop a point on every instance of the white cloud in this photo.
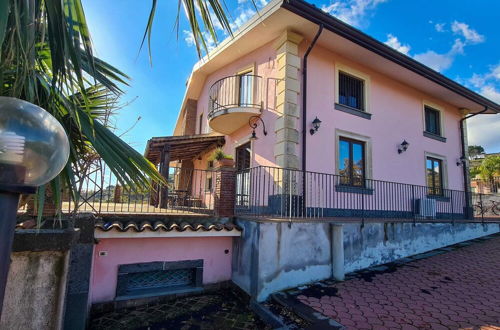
(484, 129)
(480, 80)
(470, 35)
(393, 42)
(438, 62)
(440, 27)
(244, 15)
(352, 11)
(189, 38)
(441, 61)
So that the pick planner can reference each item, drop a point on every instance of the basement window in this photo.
(158, 278)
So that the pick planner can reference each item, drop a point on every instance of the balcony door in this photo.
(243, 161)
(246, 82)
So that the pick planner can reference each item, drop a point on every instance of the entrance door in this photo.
(243, 160)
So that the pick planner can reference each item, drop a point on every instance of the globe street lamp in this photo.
(34, 149)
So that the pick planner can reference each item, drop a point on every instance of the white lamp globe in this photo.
(34, 147)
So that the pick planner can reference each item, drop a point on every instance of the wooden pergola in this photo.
(172, 148)
(163, 150)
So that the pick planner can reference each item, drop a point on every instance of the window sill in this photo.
(439, 198)
(354, 189)
(353, 111)
(434, 136)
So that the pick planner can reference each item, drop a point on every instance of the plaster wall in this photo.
(216, 262)
(273, 256)
(379, 243)
(34, 295)
(263, 62)
(397, 115)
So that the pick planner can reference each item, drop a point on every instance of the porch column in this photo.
(225, 191)
(338, 272)
(287, 90)
(164, 169)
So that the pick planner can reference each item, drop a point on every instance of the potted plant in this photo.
(222, 158)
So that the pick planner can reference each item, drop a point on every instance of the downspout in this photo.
(304, 116)
(464, 159)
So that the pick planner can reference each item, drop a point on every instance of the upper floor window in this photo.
(351, 162)
(434, 172)
(351, 91)
(432, 120)
(246, 82)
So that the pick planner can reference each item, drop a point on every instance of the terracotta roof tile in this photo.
(164, 225)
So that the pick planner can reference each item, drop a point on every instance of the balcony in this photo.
(233, 101)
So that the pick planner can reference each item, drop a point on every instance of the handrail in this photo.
(278, 192)
(237, 91)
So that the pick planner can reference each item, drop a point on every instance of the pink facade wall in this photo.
(216, 263)
(397, 115)
(264, 61)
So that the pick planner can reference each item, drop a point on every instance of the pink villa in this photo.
(347, 154)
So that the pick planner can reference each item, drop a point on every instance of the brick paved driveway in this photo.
(457, 289)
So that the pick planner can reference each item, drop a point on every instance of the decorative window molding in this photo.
(365, 113)
(432, 135)
(368, 152)
(444, 167)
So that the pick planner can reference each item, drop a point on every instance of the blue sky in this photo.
(459, 38)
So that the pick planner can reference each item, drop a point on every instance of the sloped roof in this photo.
(182, 147)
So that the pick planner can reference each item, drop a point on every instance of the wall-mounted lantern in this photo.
(252, 122)
(460, 161)
(403, 147)
(316, 124)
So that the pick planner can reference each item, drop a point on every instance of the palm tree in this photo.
(46, 58)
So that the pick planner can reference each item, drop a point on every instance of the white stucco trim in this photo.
(165, 234)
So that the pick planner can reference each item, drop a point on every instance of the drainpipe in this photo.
(464, 166)
(304, 115)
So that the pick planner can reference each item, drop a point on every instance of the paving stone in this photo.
(458, 287)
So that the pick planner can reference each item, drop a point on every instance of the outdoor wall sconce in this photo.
(316, 124)
(252, 122)
(34, 149)
(403, 147)
(460, 161)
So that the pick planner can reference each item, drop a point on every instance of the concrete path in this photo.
(450, 288)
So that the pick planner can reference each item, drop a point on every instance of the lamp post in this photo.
(34, 149)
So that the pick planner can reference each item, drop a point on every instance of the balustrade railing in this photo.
(287, 193)
(239, 91)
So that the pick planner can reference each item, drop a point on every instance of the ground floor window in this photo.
(351, 162)
(434, 170)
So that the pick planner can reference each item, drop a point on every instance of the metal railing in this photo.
(287, 193)
(239, 91)
(189, 191)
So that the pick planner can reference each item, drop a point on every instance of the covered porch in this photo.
(187, 188)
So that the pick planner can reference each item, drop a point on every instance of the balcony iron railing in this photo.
(239, 91)
(287, 193)
(188, 191)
